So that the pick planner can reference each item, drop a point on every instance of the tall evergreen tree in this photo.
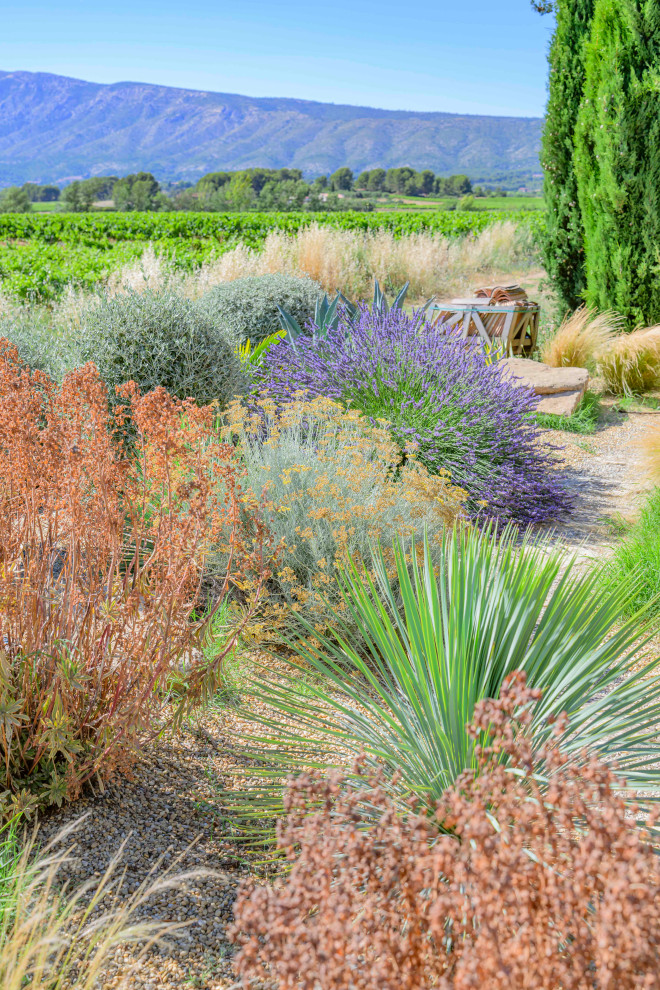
(563, 248)
(618, 159)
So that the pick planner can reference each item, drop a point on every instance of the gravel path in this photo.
(607, 474)
(168, 811)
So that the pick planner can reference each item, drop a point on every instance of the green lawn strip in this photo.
(639, 552)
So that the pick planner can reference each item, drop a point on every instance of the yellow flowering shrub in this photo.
(333, 485)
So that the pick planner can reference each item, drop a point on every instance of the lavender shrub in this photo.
(442, 398)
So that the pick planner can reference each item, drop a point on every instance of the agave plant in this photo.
(327, 314)
(380, 303)
(326, 318)
(440, 635)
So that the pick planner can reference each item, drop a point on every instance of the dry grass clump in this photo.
(347, 261)
(547, 887)
(334, 488)
(652, 449)
(152, 272)
(53, 937)
(102, 550)
(631, 362)
(581, 338)
(628, 363)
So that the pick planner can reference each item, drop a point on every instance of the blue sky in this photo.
(463, 56)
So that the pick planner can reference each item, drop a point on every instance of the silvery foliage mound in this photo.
(42, 343)
(249, 307)
(161, 338)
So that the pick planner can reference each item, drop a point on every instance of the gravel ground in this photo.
(607, 474)
(168, 812)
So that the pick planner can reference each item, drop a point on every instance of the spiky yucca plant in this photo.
(483, 606)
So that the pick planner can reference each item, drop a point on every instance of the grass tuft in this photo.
(639, 553)
(580, 338)
(55, 938)
(630, 363)
(584, 420)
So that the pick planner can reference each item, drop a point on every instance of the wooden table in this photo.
(515, 324)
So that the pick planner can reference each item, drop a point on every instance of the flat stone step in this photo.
(544, 379)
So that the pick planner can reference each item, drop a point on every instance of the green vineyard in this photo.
(40, 255)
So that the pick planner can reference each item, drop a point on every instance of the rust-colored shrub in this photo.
(101, 557)
(511, 885)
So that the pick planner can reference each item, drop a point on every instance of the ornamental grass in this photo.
(55, 936)
(102, 553)
(349, 261)
(630, 364)
(581, 338)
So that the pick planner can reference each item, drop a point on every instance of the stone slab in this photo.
(561, 403)
(544, 379)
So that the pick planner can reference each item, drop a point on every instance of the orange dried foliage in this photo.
(547, 887)
(101, 559)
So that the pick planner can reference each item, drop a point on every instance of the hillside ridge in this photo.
(57, 128)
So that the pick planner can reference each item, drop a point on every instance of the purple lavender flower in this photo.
(441, 396)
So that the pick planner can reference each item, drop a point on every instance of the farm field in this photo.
(506, 204)
(111, 226)
(52, 207)
(384, 204)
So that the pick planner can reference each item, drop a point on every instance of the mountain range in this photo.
(55, 129)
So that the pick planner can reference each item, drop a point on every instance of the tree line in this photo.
(409, 182)
(264, 189)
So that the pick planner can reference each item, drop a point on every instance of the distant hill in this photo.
(53, 128)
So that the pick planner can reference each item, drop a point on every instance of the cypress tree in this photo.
(618, 159)
(563, 247)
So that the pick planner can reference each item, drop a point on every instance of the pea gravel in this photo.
(166, 812)
(607, 474)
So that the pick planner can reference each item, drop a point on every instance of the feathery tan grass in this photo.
(581, 338)
(54, 936)
(630, 363)
(347, 261)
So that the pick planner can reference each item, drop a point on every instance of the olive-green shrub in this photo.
(161, 338)
(247, 307)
